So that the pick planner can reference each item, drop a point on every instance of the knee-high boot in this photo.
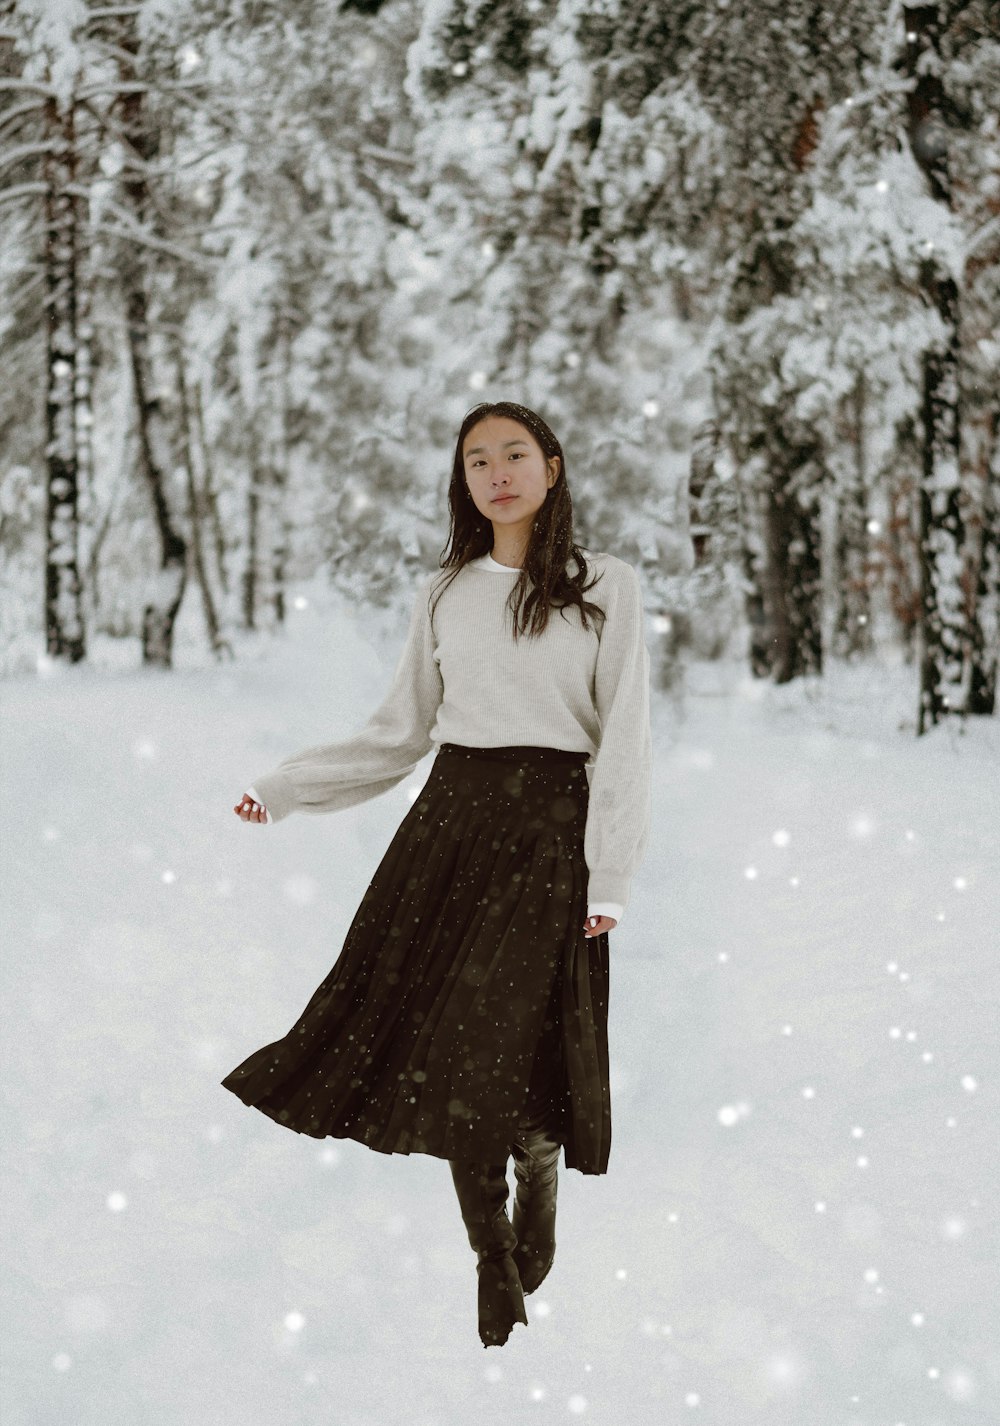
(482, 1195)
(536, 1160)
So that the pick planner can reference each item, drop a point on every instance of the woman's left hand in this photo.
(597, 925)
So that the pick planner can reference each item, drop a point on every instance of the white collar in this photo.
(488, 562)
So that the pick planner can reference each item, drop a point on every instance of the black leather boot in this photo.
(482, 1195)
(536, 1162)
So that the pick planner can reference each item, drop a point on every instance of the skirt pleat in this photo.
(465, 967)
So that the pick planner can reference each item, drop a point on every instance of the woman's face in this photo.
(502, 457)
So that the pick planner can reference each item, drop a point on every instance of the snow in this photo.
(798, 1224)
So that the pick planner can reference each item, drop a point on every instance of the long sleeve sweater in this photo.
(466, 681)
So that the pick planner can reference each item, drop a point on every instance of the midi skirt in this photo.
(465, 978)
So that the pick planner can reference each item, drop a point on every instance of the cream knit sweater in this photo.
(571, 688)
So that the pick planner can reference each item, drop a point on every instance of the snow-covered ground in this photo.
(799, 1222)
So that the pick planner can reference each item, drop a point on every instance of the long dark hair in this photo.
(544, 582)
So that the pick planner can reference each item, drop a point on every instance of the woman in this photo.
(466, 1016)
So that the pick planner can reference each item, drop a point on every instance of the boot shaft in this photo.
(482, 1191)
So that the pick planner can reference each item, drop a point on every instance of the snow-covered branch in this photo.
(146, 239)
(21, 151)
(19, 111)
(122, 87)
(372, 151)
(27, 86)
(127, 87)
(987, 230)
(19, 189)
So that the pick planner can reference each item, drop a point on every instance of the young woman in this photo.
(467, 1014)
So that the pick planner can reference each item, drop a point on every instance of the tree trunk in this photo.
(166, 589)
(803, 589)
(208, 489)
(281, 473)
(83, 388)
(944, 632)
(195, 512)
(64, 626)
(792, 584)
(902, 540)
(714, 528)
(761, 643)
(778, 534)
(985, 652)
(253, 540)
(852, 629)
(701, 472)
(943, 628)
(753, 550)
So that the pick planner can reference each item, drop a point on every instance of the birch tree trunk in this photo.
(65, 635)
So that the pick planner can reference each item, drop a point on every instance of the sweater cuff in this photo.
(611, 909)
(606, 908)
(276, 793)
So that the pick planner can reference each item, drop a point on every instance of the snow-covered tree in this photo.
(696, 239)
(508, 109)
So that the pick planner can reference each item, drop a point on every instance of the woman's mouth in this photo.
(502, 499)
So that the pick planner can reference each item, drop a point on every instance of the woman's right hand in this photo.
(249, 810)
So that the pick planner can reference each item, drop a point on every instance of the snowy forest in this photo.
(259, 258)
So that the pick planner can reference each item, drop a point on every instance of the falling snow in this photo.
(797, 1221)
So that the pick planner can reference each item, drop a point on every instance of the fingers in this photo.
(598, 925)
(250, 811)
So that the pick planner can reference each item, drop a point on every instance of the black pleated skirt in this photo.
(464, 979)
